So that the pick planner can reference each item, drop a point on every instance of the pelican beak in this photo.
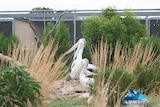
(72, 48)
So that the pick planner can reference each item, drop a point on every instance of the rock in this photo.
(80, 88)
(45, 103)
(72, 89)
(67, 90)
(84, 95)
(52, 97)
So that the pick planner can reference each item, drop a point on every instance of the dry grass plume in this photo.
(107, 58)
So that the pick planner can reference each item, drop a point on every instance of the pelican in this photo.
(85, 80)
(78, 59)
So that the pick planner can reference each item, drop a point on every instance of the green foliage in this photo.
(7, 43)
(42, 8)
(148, 79)
(118, 80)
(154, 40)
(153, 101)
(90, 30)
(18, 88)
(75, 102)
(121, 77)
(134, 29)
(60, 35)
(109, 12)
(124, 79)
(113, 27)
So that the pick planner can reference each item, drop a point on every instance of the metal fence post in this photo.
(13, 27)
(147, 24)
(44, 22)
(74, 22)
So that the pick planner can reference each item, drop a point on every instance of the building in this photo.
(17, 22)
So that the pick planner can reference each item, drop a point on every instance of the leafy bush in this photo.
(18, 88)
(134, 29)
(148, 79)
(112, 27)
(121, 77)
(112, 84)
(154, 40)
(60, 35)
(7, 43)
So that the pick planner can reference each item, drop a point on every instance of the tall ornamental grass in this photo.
(41, 65)
(108, 90)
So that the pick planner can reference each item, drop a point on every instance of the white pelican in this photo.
(84, 80)
(78, 59)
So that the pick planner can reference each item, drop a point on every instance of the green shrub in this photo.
(121, 77)
(7, 43)
(124, 79)
(155, 40)
(60, 35)
(18, 88)
(148, 79)
(112, 27)
(118, 81)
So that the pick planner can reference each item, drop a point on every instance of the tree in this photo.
(60, 35)
(41, 10)
(112, 27)
(135, 31)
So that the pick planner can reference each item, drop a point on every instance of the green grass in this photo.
(76, 102)
(153, 101)
(81, 102)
